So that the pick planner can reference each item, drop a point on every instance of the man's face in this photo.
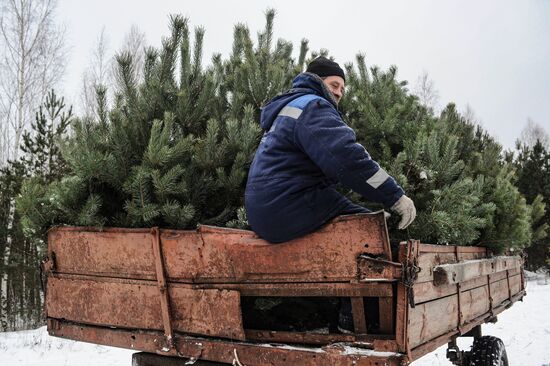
(336, 86)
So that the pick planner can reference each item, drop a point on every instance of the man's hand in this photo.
(405, 208)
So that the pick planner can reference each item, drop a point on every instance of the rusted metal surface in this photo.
(163, 289)
(375, 269)
(342, 289)
(270, 336)
(385, 304)
(448, 274)
(137, 305)
(336, 289)
(411, 268)
(379, 342)
(225, 351)
(109, 252)
(48, 264)
(151, 359)
(191, 282)
(402, 304)
(359, 318)
(214, 255)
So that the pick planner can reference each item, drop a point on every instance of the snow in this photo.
(37, 348)
(524, 328)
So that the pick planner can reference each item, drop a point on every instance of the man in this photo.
(306, 150)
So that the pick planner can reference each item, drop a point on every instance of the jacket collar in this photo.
(308, 80)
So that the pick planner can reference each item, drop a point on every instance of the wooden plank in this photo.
(213, 255)
(131, 305)
(402, 301)
(432, 345)
(453, 273)
(427, 291)
(435, 343)
(516, 284)
(431, 248)
(431, 319)
(474, 303)
(499, 289)
(428, 260)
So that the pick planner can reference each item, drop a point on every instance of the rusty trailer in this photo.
(182, 293)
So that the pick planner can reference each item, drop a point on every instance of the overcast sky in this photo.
(492, 55)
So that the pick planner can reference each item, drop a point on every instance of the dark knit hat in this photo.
(322, 66)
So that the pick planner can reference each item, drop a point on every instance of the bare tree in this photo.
(98, 74)
(470, 115)
(533, 132)
(32, 62)
(426, 92)
(101, 74)
(134, 44)
(5, 136)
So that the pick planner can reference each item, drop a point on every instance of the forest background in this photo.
(163, 137)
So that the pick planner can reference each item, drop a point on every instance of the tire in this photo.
(488, 351)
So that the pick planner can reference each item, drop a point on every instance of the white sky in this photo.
(492, 55)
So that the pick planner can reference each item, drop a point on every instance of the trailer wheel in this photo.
(488, 351)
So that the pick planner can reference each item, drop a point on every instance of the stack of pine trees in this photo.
(173, 149)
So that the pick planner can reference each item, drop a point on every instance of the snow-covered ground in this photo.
(525, 330)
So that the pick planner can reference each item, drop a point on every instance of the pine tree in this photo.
(22, 242)
(164, 154)
(533, 166)
(381, 111)
(175, 148)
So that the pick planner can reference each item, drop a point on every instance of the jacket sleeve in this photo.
(322, 134)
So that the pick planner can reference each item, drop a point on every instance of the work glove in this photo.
(405, 208)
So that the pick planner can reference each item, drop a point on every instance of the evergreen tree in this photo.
(452, 168)
(162, 155)
(175, 148)
(533, 165)
(21, 246)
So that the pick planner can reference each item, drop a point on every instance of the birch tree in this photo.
(134, 44)
(32, 62)
(97, 76)
(533, 132)
(426, 92)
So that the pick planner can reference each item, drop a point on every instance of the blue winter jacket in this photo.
(306, 149)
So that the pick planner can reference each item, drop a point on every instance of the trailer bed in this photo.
(181, 292)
